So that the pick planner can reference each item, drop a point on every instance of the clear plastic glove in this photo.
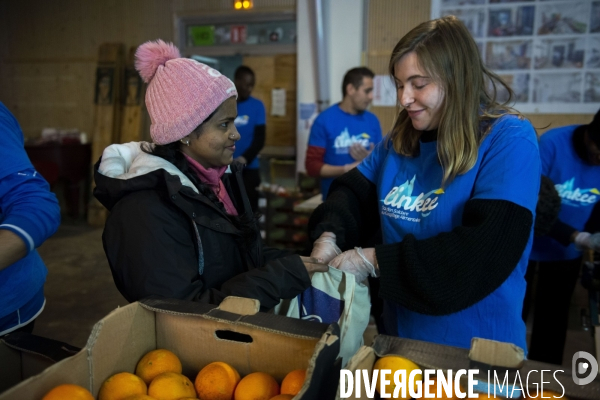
(324, 248)
(359, 152)
(585, 240)
(360, 263)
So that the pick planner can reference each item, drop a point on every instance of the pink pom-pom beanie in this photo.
(181, 92)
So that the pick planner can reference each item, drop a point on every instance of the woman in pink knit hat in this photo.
(180, 223)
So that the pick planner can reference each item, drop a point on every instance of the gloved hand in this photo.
(359, 262)
(324, 248)
(359, 152)
(585, 240)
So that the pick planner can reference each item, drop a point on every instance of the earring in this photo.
(187, 142)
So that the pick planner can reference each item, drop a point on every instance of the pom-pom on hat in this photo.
(181, 92)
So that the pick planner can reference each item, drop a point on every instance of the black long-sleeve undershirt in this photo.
(440, 275)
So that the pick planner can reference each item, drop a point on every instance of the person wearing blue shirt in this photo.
(571, 160)
(251, 124)
(29, 214)
(345, 133)
(453, 188)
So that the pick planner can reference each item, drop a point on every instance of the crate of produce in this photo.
(198, 334)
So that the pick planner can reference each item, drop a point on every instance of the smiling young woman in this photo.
(452, 189)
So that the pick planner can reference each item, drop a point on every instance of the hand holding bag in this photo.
(334, 296)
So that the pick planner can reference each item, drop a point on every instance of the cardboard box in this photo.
(23, 355)
(485, 355)
(199, 334)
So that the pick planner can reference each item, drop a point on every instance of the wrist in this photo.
(348, 167)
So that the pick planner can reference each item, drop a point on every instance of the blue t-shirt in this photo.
(412, 201)
(29, 210)
(335, 130)
(251, 112)
(578, 185)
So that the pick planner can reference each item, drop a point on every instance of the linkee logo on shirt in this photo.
(343, 142)
(399, 202)
(241, 120)
(576, 197)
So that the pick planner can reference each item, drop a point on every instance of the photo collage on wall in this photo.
(548, 51)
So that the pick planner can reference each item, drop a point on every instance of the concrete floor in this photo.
(80, 291)
(79, 288)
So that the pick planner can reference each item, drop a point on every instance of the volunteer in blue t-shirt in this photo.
(453, 188)
(571, 159)
(251, 124)
(29, 214)
(345, 133)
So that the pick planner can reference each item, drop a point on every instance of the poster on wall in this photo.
(547, 51)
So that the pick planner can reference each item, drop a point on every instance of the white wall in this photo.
(344, 28)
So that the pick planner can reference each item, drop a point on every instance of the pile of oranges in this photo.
(158, 377)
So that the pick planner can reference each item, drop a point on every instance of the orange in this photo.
(155, 363)
(139, 397)
(68, 391)
(216, 381)
(121, 385)
(256, 386)
(396, 363)
(293, 381)
(283, 397)
(171, 386)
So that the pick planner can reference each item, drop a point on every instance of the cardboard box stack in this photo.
(198, 334)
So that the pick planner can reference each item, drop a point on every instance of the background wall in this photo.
(48, 50)
(344, 30)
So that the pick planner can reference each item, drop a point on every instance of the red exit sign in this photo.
(238, 34)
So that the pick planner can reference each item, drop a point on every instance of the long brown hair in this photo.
(446, 51)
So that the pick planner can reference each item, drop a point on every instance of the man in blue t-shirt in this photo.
(571, 159)
(344, 134)
(250, 123)
(29, 214)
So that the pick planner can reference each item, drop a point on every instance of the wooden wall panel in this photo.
(48, 50)
(544, 122)
(389, 20)
(51, 95)
(276, 72)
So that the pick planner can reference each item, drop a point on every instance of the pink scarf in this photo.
(212, 178)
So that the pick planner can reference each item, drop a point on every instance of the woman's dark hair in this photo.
(246, 223)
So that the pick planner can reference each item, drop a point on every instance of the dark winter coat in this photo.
(165, 238)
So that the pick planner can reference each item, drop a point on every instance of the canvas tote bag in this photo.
(334, 296)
